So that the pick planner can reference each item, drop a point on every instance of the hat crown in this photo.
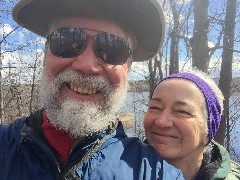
(144, 18)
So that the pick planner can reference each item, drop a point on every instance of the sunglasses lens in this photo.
(111, 49)
(67, 42)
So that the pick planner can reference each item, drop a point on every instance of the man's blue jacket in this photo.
(26, 155)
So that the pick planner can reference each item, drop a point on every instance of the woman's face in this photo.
(174, 122)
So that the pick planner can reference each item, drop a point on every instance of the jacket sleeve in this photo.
(9, 136)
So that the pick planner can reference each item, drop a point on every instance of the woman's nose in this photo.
(164, 120)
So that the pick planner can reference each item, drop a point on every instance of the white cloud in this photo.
(17, 59)
(5, 29)
(169, 15)
(41, 40)
(39, 50)
(211, 44)
(168, 18)
(16, 66)
(138, 71)
(182, 1)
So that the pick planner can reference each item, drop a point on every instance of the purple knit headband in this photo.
(212, 103)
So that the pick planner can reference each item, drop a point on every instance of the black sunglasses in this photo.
(71, 42)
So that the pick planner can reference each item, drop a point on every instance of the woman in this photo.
(183, 117)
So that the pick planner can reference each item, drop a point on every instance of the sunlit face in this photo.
(174, 122)
(82, 94)
(87, 63)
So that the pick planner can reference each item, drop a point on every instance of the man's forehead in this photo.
(99, 24)
(104, 23)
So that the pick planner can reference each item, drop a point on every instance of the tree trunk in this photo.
(174, 54)
(155, 72)
(226, 67)
(33, 82)
(200, 55)
(152, 74)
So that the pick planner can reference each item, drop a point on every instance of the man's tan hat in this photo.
(144, 18)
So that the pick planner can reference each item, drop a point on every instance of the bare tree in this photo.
(155, 72)
(17, 93)
(2, 40)
(33, 96)
(200, 55)
(174, 34)
(226, 68)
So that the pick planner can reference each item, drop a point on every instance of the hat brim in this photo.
(144, 18)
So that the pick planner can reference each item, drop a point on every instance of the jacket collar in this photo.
(225, 166)
(216, 163)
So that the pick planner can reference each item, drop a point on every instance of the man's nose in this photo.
(87, 62)
(164, 120)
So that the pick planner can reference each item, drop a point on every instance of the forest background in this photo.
(199, 33)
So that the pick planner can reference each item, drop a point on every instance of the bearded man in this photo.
(90, 46)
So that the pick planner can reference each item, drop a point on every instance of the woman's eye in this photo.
(155, 108)
(184, 112)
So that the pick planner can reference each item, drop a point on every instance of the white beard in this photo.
(80, 118)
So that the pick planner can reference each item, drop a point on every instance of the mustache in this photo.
(91, 81)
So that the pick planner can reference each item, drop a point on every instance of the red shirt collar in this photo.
(60, 140)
